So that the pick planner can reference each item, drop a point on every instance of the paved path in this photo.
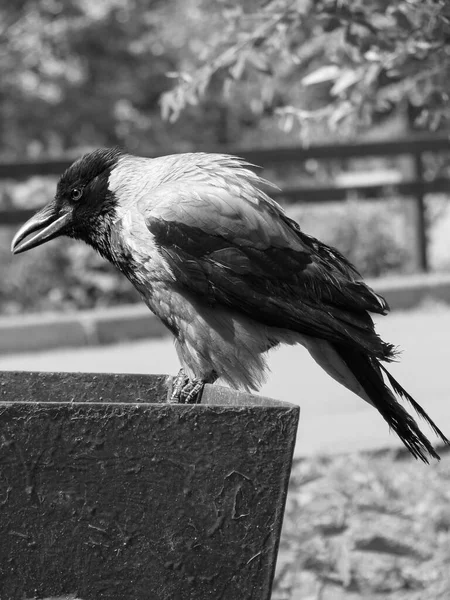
(332, 419)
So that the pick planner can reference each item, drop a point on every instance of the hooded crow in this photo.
(228, 273)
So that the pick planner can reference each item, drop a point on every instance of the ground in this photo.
(366, 527)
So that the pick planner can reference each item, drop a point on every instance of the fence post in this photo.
(420, 224)
(109, 492)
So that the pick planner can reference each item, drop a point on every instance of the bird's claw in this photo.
(178, 384)
(185, 390)
(192, 391)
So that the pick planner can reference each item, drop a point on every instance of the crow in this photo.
(228, 273)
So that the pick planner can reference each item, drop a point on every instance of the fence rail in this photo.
(414, 189)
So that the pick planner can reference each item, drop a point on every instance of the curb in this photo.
(28, 333)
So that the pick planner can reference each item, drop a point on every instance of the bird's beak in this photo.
(49, 222)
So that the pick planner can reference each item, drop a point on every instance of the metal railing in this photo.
(415, 188)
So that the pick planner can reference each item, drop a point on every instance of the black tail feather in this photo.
(367, 371)
(398, 389)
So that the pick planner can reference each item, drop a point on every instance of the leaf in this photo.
(372, 55)
(236, 71)
(322, 74)
(260, 62)
(343, 110)
(346, 80)
(344, 563)
(402, 20)
(330, 23)
(383, 21)
(172, 103)
(384, 545)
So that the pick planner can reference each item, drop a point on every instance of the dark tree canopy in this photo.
(340, 62)
(77, 74)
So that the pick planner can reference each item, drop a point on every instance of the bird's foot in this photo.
(192, 391)
(178, 384)
(185, 390)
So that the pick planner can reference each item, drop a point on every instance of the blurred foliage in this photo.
(369, 237)
(78, 74)
(372, 235)
(336, 62)
(60, 276)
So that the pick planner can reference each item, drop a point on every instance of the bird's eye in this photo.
(76, 194)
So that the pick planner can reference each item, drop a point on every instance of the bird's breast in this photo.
(135, 253)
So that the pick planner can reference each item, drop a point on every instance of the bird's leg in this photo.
(178, 384)
(189, 391)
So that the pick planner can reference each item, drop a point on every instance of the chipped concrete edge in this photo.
(38, 332)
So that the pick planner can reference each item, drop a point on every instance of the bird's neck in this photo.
(98, 235)
(107, 239)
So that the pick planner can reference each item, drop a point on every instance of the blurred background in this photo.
(165, 76)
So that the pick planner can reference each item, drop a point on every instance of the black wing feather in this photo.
(301, 290)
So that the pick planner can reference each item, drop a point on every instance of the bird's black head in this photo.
(83, 207)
